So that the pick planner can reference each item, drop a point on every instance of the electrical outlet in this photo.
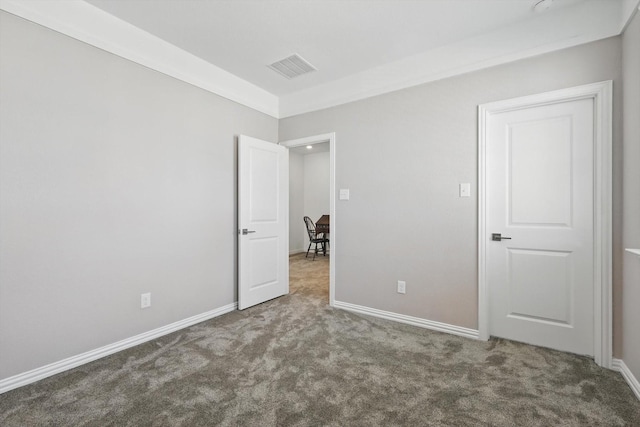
(145, 300)
(402, 287)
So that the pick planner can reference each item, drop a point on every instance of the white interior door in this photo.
(540, 195)
(263, 221)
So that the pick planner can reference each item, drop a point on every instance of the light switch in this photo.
(465, 189)
(344, 194)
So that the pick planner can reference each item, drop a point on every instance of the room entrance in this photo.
(312, 234)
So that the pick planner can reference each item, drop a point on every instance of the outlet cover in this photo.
(145, 300)
(402, 287)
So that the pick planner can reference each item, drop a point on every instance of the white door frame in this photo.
(601, 93)
(331, 139)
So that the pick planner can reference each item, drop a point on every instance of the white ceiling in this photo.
(361, 48)
(338, 37)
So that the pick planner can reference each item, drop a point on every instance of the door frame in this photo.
(331, 139)
(601, 93)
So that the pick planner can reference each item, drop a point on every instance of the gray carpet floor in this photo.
(294, 361)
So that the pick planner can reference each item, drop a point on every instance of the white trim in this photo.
(628, 9)
(426, 68)
(483, 291)
(545, 33)
(317, 139)
(620, 366)
(633, 251)
(409, 320)
(89, 356)
(601, 93)
(87, 23)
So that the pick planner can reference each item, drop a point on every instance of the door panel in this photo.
(264, 185)
(540, 186)
(264, 261)
(263, 212)
(541, 145)
(540, 285)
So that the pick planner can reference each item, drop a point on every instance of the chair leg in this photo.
(324, 244)
(308, 249)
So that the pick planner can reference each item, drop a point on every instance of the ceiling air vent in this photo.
(292, 66)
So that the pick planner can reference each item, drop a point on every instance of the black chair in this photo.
(314, 238)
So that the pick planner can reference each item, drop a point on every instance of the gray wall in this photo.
(297, 230)
(403, 154)
(115, 180)
(631, 219)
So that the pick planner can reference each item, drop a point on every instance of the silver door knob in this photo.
(498, 237)
(245, 231)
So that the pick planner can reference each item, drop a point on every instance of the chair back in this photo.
(311, 227)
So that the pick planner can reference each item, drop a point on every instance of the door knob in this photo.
(245, 231)
(498, 237)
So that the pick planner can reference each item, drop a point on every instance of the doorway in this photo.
(545, 220)
(319, 141)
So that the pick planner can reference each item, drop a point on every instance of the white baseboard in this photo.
(415, 321)
(620, 366)
(297, 251)
(80, 359)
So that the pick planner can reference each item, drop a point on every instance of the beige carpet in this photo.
(294, 361)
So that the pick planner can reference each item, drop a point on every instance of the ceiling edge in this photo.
(627, 12)
(355, 88)
(569, 27)
(89, 24)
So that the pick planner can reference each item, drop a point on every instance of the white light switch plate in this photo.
(465, 189)
(344, 194)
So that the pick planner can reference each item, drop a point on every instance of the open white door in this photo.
(263, 221)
